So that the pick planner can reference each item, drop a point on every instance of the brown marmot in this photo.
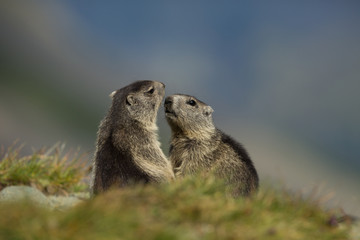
(198, 146)
(128, 150)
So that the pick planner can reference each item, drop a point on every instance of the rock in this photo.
(24, 193)
(81, 195)
(63, 203)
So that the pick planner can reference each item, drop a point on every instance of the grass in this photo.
(49, 170)
(191, 208)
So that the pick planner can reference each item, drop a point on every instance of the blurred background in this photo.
(283, 77)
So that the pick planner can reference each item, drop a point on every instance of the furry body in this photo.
(128, 150)
(198, 146)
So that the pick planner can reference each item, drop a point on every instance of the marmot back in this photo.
(128, 150)
(198, 146)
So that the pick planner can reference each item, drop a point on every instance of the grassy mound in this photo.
(187, 209)
(192, 208)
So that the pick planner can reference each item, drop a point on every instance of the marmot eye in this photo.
(151, 91)
(191, 102)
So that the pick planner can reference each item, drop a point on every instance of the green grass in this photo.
(49, 170)
(191, 208)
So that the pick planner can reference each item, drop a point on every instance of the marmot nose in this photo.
(168, 100)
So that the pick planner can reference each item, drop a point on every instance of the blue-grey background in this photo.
(283, 77)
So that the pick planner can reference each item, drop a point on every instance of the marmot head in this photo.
(188, 115)
(138, 101)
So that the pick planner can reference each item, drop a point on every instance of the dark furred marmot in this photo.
(198, 146)
(128, 150)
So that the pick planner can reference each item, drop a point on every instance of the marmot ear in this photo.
(208, 111)
(112, 94)
(130, 100)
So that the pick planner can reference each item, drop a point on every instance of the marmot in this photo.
(128, 150)
(198, 146)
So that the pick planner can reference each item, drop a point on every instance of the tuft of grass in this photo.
(192, 208)
(49, 170)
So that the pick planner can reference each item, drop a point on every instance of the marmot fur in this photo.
(198, 146)
(128, 150)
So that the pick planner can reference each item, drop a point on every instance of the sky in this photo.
(282, 77)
